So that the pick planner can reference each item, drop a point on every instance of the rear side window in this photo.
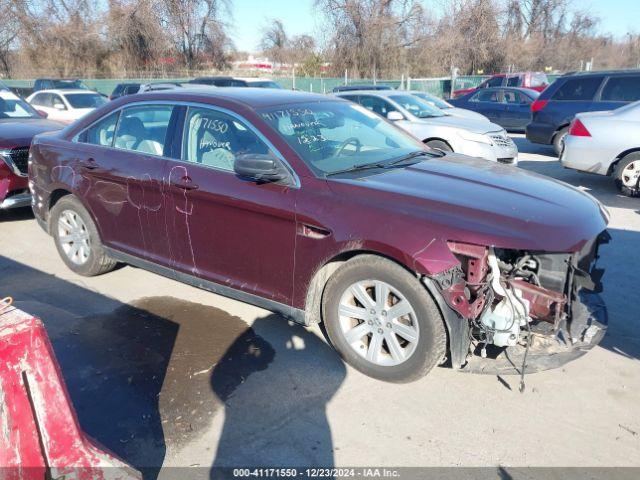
(538, 80)
(42, 100)
(621, 89)
(144, 129)
(101, 133)
(578, 89)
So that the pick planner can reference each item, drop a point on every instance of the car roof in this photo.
(634, 71)
(378, 93)
(251, 97)
(66, 91)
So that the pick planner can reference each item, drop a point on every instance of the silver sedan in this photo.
(607, 143)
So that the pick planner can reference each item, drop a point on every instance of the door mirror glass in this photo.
(259, 167)
(395, 116)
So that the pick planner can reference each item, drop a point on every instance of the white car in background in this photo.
(476, 138)
(607, 143)
(449, 109)
(66, 106)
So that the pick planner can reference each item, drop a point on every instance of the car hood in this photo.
(471, 124)
(464, 113)
(16, 132)
(482, 202)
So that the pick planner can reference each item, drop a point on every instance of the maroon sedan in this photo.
(19, 122)
(317, 208)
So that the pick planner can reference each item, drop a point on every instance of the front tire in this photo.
(77, 239)
(382, 320)
(627, 175)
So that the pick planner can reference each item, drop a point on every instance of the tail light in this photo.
(538, 105)
(577, 129)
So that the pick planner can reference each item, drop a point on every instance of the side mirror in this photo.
(395, 116)
(42, 114)
(261, 168)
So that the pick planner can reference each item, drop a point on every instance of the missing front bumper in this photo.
(587, 328)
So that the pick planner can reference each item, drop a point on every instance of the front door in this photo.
(226, 229)
(121, 163)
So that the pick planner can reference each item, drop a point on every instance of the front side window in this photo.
(376, 104)
(513, 81)
(576, 89)
(332, 136)
(621, 89)
(215, 139)
(58, 103)
(417, 107)
(144, 129)
(85, 100)
(494, 82)
(101, 132)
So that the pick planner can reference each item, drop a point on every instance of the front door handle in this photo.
(89, 164)
(184, 183)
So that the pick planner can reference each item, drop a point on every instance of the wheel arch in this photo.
(439, 139)
(621, 156)
(318, 283)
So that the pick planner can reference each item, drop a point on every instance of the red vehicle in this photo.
(317, 208)
(533, 80)
(19, 122)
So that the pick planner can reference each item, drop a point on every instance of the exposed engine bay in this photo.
(517, 301)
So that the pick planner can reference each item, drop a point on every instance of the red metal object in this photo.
(39, 431)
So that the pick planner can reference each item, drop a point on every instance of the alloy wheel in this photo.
(378, 322)
(631, 174)
(74, 237)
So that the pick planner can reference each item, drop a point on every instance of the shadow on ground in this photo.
(148, 377)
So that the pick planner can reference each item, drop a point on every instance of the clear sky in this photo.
(618, 17)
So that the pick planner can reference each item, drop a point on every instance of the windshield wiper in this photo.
(412, 155)
(356, 168)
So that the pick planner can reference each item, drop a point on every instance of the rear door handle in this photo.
(184, 183)
(89, 164)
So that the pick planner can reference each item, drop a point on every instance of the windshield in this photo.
(68, 84)
(438, 102)
(85, 100)
(13, 107)
(333, 136)
(416, 106)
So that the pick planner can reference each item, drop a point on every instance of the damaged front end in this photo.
(508, 310)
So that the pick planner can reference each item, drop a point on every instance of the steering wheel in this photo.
(349, 141)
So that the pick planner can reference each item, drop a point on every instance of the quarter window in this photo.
(578, 89)
(144, 129)
(215, 139)
(622, 89)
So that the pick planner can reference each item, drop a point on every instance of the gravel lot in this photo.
(144, 360)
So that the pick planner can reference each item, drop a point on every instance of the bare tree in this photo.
(275, 42)
(198, 31)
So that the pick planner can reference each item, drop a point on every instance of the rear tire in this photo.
(364, 307)
(77, 239)
(627, 175)
(558, 140)
(439, 145)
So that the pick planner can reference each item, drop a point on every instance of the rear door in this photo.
(121, 161)
(223, 228)
(517, 113)
(618, 91)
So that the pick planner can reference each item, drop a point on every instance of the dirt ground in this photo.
(166, 375)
